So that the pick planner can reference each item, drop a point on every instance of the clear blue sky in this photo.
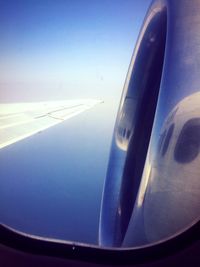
(58, 50)
(63, 49)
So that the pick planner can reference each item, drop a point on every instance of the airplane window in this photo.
(63, 64)
(167, 139)
(188, 144)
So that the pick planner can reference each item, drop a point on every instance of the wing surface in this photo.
(21, 120)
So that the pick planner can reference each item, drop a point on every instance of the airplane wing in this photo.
(21, 120)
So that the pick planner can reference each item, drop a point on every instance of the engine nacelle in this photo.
(150, 171)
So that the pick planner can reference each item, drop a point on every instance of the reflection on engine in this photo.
(152, 187)
(169, 195)
(173, 195)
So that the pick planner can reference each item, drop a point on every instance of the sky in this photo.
(53, 50)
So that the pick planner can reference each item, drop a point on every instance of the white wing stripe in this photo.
(17, 121)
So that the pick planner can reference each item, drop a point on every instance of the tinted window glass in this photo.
(188, 144)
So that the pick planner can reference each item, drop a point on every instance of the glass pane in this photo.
(71, 167)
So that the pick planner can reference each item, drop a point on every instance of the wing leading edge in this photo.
(21, 120)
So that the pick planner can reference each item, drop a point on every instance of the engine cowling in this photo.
(144, 189)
